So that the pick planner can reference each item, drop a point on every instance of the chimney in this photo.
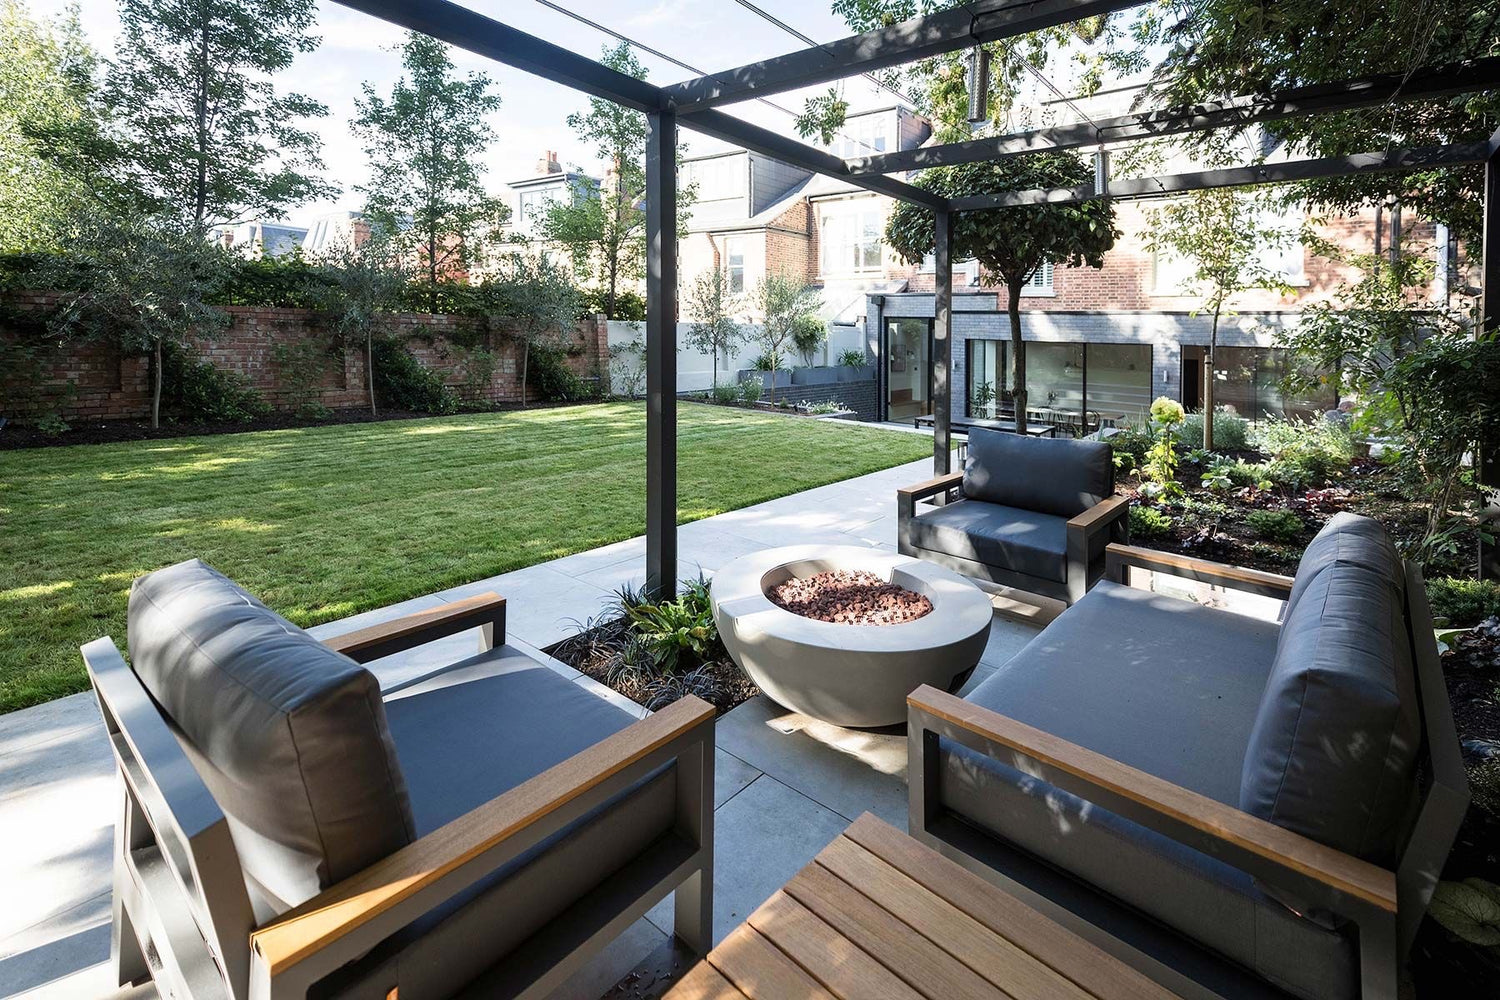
(548, 164)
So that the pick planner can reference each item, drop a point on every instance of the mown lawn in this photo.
(325, 522)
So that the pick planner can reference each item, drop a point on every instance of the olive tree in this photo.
(366, 283)
(539, 301)
(712, 306)
(788, 307)
(1011, 242)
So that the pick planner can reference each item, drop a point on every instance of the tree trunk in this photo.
(370, 369)
(1208, 382)
(715, 349)
(156, 389)
(1017, 350)
(200, 184)
(773, 378)
(525, 370)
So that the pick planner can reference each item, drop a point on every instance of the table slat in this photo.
(844, 969)
(1084, 962)
(759, 970)
(991, 955)
(703, 982)
(926, 967)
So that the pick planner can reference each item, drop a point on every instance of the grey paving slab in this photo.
(849, 771)
(1007, 638)
(731, 776)
(762, 837)
(47, 721)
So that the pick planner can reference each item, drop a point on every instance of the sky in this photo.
(710, 34)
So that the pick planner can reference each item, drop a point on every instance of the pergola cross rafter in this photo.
(694, 104)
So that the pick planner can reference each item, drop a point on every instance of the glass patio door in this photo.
(908, 368)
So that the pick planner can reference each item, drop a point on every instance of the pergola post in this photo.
(942, 345)
(661, 354)
(1487, 462)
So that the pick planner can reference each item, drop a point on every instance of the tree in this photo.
(1011, 242)
(1218, 48)
(540, 302)
(604, 231)
(202, 127)
(425, 144)
(1223, 235)
(713, 329)
(46, 92)
(1428, 383)
(140, 282)
(366, 283)
(786, 306)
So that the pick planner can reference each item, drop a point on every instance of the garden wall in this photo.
(107, 385)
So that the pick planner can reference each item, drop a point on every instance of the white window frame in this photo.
(1040, 285)
(852, 222)
(720, 178)
(734, 246)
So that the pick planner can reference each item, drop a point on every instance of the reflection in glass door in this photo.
(908, 368)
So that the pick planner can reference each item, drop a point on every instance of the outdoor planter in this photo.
(849, 675)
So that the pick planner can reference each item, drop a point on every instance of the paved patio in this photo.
(785, 784)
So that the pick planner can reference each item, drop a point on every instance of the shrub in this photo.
(553, 379)
(1276, 525)
(1463, 603)
(726, 394)
(769, 362)
(478, 365)
(1231, 431)
(1304, 453)
(1161, 459)
(299, 369)
(1148, 522)
(852, 358)
(402, 383)
(195, 389)
(750, 390)
(1133, 441)
(679, 634)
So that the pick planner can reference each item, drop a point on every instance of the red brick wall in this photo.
(108, 386)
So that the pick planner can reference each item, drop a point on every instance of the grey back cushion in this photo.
(1048, 476)
(289, 736)
(1333, 751)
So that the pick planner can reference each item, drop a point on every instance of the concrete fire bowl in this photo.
(849, 675)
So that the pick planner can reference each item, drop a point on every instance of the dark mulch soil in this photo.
(596, 651)
(17, 436)
(850, 598)
(1471, 666)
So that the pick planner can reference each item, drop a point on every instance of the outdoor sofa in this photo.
(287, 829)
(1029, 513)
(1237, 808)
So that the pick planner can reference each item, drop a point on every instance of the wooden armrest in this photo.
(1281, 847)
(418, 628)
(1101, 513)
(932, 487)
(341, 909)
(1119, 558)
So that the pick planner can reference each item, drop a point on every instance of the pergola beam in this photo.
(465, 29)
(1266, 173)
(1349, 95)
(909, 41)
(741, 133)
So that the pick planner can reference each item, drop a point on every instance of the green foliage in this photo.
(1463, 603)
(300, 370)
(401, 383)
(725, 394)
(47, 92)
(195, 389)
(750, 391)
(768, 362)
(426, 145)
(1276, 525)
(554, 380)
(852, 358)
(1469, 910)
(630, 306)
(1304, 453)
(478, 366)
(1133, 440)
(788, 307)
(203, 131)
(361, 287)
(808, 334)
(627, 368)
(714, 330)
(540, 303)
(822, 116)
(678, 634)
(1148, 522)
(1231, 432)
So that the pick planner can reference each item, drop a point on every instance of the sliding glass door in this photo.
(1077, 387)
(908, 368)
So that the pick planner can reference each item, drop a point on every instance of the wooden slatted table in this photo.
(878, 916)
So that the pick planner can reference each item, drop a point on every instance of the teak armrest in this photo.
(485, 610)
(1170, 809)
(1104, 512)
(341, 910)
(931, 487)
(1119, 559)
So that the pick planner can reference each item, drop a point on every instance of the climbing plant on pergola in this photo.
(696, 104)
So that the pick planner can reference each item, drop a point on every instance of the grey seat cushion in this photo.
(1334, 750)
(1171, 688)
(290, 737)
(465, 737)
(1023, 541)
(1061, 477)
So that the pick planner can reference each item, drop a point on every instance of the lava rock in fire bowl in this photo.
(844, 633)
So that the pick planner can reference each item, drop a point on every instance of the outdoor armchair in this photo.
(1029, 513)
(287, 829)
(1237, 808)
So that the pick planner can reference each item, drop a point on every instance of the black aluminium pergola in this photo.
(695, 104)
